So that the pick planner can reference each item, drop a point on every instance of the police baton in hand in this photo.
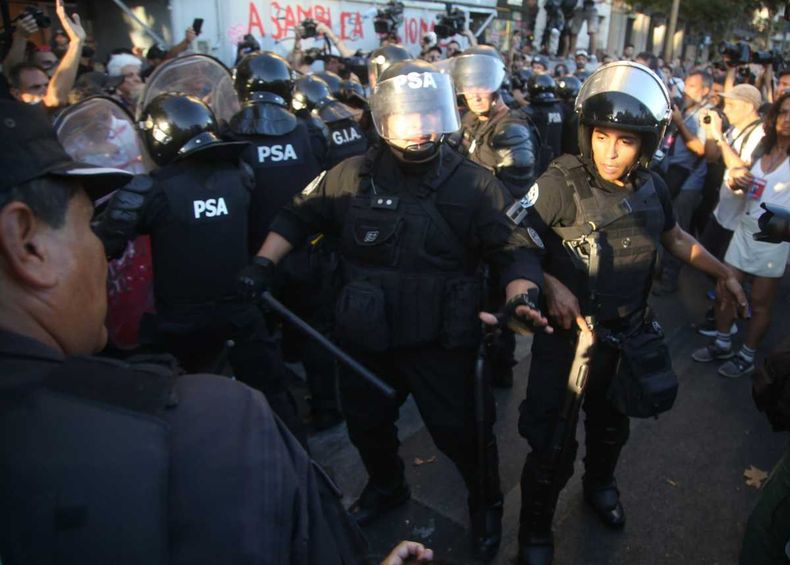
(344, 357)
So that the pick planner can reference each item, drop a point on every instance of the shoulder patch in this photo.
(533, 235)
(531, 197)
(310, 188)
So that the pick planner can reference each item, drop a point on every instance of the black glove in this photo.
(519, 325)
(117, 224)
(255, 278)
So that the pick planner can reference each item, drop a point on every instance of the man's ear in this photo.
(23, 246)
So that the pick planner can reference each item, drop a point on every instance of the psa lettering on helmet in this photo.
(415, 80)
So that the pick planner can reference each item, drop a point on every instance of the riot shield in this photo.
(198, 75)
(101, 132)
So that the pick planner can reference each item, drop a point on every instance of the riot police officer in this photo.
(414, 221)
(196, 212)
(546, 113)
(503, 141)
(287, 151)
(284, 152)
(567, 90)
(605, 215)
(313, 100)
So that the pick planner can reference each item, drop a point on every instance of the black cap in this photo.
(29, 149)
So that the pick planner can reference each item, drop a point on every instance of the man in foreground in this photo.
(119, 462)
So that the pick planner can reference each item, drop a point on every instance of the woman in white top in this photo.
(764, 262)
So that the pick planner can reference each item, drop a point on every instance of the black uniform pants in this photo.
(199, 336)
(606, 429)
(442, 383)
(307, 286)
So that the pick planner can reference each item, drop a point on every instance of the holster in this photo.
(644, 384)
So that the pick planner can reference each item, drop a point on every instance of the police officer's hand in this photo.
(117, 224)
(521, 314)
(408, 551)
(255, 278)
(563, 306)
(729, 289)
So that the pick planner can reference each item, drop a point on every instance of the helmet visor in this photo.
(197, 75)
(413, 106)
(631, 79)
(476, 73)
(100, 132)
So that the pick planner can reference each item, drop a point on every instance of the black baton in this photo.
(352, 363)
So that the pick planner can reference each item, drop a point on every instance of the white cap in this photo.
(119, 61)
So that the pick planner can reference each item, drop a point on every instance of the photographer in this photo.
(767, 182)
(302, 61)
(735, 147)
(30, 84)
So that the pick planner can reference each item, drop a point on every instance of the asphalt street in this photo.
(681, 476)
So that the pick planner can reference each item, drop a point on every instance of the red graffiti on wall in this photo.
(415, 28)
(285, 17)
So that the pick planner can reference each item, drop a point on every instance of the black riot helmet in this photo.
(308, 92)
(478, 72)
(353, 94)
(332, 80)
(541, 89)
(413, 107)
(568, 88)
(519, 79)
(264, 76)
(175, 126)
(626, 96)
(382, 58)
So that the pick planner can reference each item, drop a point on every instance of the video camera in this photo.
(449, 24)
(740, 53)
(389, 18)
(308, 28)
(42, 20)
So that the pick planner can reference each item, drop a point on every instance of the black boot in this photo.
(604, 498)
(374, 501)
(535, 548)
(486, 531)
(540, 485)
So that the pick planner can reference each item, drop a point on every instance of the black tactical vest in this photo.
(200, 244)
(346, 139)
(84, 461)
(408, 281)
(609, 253)
(548, 119)
(283, 166)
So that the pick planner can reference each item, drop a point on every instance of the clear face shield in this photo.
(100, 132)
(632, 79)
(477, 77)
(197, 75)
(414, 109)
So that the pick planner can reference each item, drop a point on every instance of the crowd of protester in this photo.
(724, 153)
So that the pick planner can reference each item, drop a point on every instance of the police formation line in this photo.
(388, 224)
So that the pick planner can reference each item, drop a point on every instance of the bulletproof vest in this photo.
(84, 463)
(405, 265)
(346, 139)
(608, 254)
(200, 244)
(283, 166)
(548, 120)
(570, 129)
